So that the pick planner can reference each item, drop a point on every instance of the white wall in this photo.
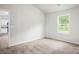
(51, 26)
(26, 23)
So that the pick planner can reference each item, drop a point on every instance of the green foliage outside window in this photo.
(63, 23)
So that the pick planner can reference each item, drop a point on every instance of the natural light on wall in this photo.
(63, 24)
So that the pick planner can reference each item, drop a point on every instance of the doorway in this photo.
(4, 28)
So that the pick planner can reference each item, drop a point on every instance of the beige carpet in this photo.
(42, 46)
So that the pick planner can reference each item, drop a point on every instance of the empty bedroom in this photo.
(39, 29)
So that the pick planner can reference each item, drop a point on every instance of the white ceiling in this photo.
(47, 8)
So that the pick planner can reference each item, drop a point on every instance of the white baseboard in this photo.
(40, 37)
(24, 41)
(64, 40)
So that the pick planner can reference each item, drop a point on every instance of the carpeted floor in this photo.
(42, 46)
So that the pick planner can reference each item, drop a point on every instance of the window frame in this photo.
(58, 25)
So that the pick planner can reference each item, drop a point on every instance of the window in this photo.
(63, 24)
